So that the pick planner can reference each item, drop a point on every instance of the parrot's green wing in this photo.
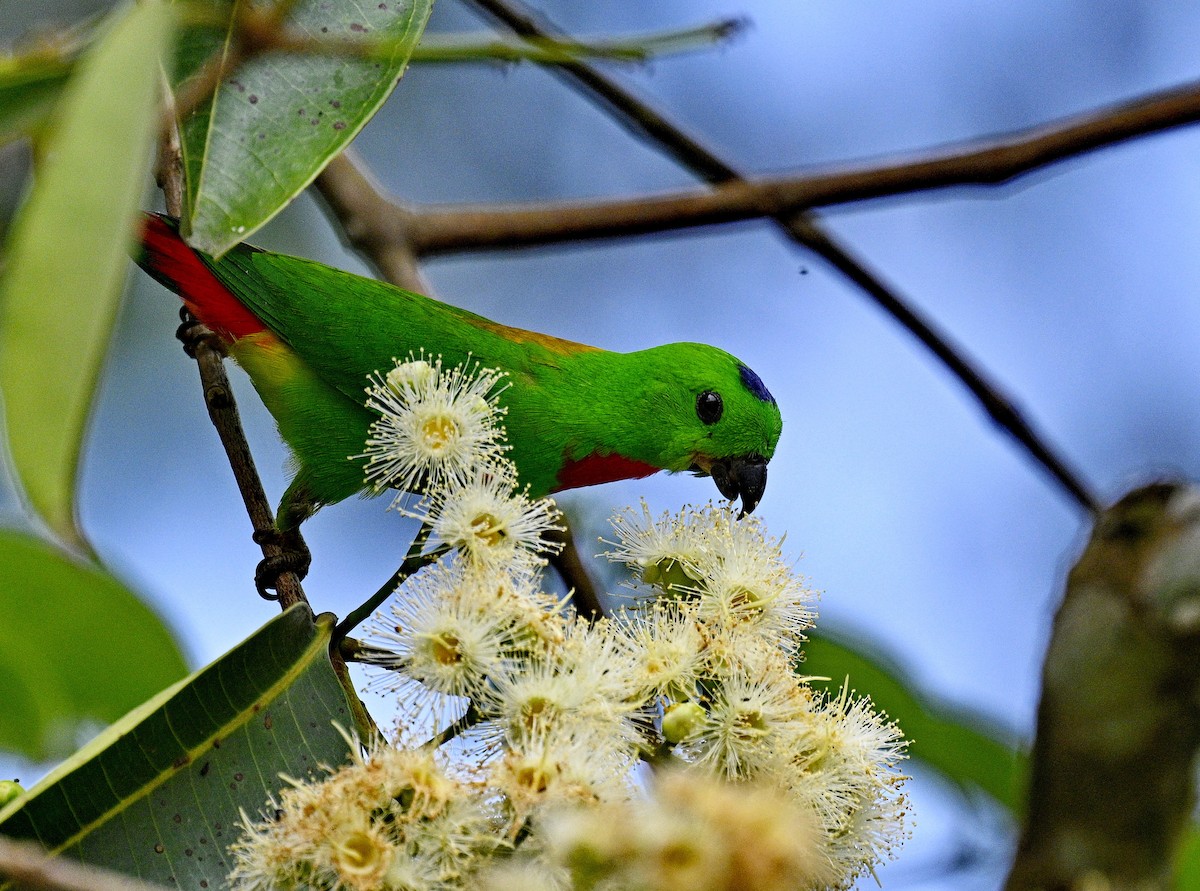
(346, 326)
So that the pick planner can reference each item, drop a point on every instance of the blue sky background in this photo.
(926, 530)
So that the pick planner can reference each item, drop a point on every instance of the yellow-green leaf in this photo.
(29, 88)
(277, 120)
(66, 258)
(160, 794)
(76, 645)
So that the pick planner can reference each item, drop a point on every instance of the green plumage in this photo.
(565, 401)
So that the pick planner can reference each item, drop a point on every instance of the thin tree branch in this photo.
(456, 49)
(442, 230)
(803, 228)
(169, 170)
(29, 867)
(413, 561)
(372, 225)
(222, 410)
(573, 571)
(218, 394)
(999, 407)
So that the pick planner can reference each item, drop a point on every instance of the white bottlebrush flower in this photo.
(586, 682)
(357, 855)
(691, 833)
(439, 632)
(779, 612)
(666, 646)
(491, 523)
(453, 845)
(266, 858)
(435, 424)
(754, 718)
(845, 768)
(449, 632)
(744, 580)
(390, 819)
(559, 764)
(775, 787)
(666, 552)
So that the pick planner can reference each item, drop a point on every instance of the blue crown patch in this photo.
(755, 385)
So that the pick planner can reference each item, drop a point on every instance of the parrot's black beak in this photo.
(744, 475)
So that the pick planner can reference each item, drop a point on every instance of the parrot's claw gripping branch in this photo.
(294, 558)
(285, 555)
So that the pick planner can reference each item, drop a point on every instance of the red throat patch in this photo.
(170, 261)
(597, 468)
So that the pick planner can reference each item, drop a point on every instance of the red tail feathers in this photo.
(168, 259)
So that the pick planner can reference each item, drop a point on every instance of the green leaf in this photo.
(1187, 859)
(160, 794)
(29, 88)
(77, 645)
(279, 118)
(962, 746)
(67, 257)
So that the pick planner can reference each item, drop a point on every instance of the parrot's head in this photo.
(714, 416)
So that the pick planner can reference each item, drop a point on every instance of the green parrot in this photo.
(309, 335)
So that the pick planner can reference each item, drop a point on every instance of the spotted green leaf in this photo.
(159, 795)
(276, 120)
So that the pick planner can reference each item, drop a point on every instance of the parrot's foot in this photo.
(296, 558)
(192, 331)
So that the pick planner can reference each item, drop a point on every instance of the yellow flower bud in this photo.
(682, 720)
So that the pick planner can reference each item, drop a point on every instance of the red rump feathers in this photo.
(598, 468)
(168, 259)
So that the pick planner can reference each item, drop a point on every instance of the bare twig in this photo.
(442, 230)
(169, 172)
(571, 568)
(803, 228)
(364, 723)
(254, 32)
(413, 561)
(999, 407)
(469, 719)
(218, 394)
(27, 866)
(374, 226)
(1118, 729)
(222, 410)
(443, 48)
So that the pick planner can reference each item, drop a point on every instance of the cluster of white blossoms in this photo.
(672, 745)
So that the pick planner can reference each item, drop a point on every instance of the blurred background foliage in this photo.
(936, 545)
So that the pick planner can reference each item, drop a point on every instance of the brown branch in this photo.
(373, 226)
(1118, 730)
(222, 410)
(169, 170)
(442, 230)
(218, 394)
(29, 867)
(573, 571)
(803, 228)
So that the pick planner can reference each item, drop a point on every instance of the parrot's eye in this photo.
(709, 407)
